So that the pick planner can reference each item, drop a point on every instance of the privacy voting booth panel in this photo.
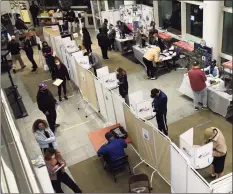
(82, 80)
(73, 65)
(178, 171)
(146, 141)
(162, 150)
(100, 98)
(92, 97)
(109, 105)
(119, 111)
(222, 185)
(58, 44)
(130, 125)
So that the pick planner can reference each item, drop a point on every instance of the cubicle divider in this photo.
(152, 146)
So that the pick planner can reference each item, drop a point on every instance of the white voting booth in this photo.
(102, 71)
(222, 185)
(199, 156)
(111, 15)
(142, 108)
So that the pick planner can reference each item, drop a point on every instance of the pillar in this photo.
(126, 2)
(211, 29)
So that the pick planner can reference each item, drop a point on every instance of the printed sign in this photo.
(205, 52)
(145, 134)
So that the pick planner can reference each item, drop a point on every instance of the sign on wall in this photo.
(205, 52)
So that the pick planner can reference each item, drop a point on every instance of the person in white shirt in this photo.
(212, 69)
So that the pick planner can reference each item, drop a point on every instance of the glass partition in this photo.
(227, 34)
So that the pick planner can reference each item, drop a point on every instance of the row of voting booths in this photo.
(153, 148)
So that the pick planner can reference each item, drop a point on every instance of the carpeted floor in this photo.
(92, 178)
(200, 121)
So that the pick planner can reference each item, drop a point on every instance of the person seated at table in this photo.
(212, 69)
(112, 149)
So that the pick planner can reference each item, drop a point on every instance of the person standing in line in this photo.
(214, 135)
(14, 48)
(27, 47)
(47, 104)
(48, 54)
(86, 39)
(111, 36)
(104, 27)
(20, 24)
(71, 20)
(151, 55)
(94, 61)
(44, 136)
(197, 80)
(123, 84)
(55, 165)
(103, 43)
(34, 9)
(160, 107)
(61, 72)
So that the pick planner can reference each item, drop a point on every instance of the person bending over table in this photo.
(112, 149)
(152, 55)
(212, 69)
(214, 135)
(94, 61)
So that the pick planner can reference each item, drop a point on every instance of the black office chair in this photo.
(114, 169)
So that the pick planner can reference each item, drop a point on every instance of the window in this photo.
(170, 16)
(227, 34)
(194, 20)
(228, 3)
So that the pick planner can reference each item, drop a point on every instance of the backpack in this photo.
(119, 132)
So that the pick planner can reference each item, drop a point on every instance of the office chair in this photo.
(143, 188)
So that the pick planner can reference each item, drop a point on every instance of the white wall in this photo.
(5, 7)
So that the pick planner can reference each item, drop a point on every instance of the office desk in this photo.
(97, 137)
(124, 45)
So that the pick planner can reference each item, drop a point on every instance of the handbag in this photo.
(119, 132)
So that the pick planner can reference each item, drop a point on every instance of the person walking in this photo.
(44, 136)
(159, 105)
(103, 43)
(94, 61)
(61, 72)
(151, 55)
(47, 104)
(34, 9)
(48, 54)
(197, 80)
(14, 48)
(214, 135)
(55, 165)
(20, 24)
(123, 84)
(27, 47)
(111, 36)
(86, 39)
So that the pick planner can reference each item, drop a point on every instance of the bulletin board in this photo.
(146, 141)
(205, 52)
(111, 15)
(83, 82)
(92, 97)
(130, 126)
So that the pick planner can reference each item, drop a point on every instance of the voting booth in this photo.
(199, 156)
(222, 185)
(111, 15)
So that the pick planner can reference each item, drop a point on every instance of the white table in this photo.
(121, 42)
(218, 101)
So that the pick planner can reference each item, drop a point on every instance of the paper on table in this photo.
(57, 82)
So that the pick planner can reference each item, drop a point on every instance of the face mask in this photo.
(53, 156)
(41, 128)
(57, 63)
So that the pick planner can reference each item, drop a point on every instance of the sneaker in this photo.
(33, 70)
(106, 58)
(14, 71)
(148, 77)
(204, 108)
(196, 108)
(65, 97)
(23, 67)
(60, 99)
(153, 78)
(57, 125)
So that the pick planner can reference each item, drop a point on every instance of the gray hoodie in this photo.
(96, 62)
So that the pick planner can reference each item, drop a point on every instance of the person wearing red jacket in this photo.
(197, 80)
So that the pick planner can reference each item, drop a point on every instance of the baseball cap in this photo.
(208, 133)
(108, 135)
(42, 85)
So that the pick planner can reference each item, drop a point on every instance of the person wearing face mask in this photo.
(47, 104)
(94, 61)
(212, 69)
(61, 72)
(159, 105)
(44, 136)
(48, 54)
(123, 84)
(55, 165)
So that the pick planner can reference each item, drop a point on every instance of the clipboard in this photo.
(57, 82)
(58, 169)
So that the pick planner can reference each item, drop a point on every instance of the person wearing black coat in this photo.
(103, 42)
(111, 36)
(61, 72)
(19, 24)
(71, 20)
(34, 9)
(104, 27)
(48, 54)
(123, 84)
(87, 39)
(27, 47)
(47, 104)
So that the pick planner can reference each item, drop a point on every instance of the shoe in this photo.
(65, 97)
(196, 108)
(213, 176)
(23, 67)
(204, 108)
(57, 125)
(14, 71)
(153, 78)
(60, 99)
(106, 58)
(33, 70)
(148, 77)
